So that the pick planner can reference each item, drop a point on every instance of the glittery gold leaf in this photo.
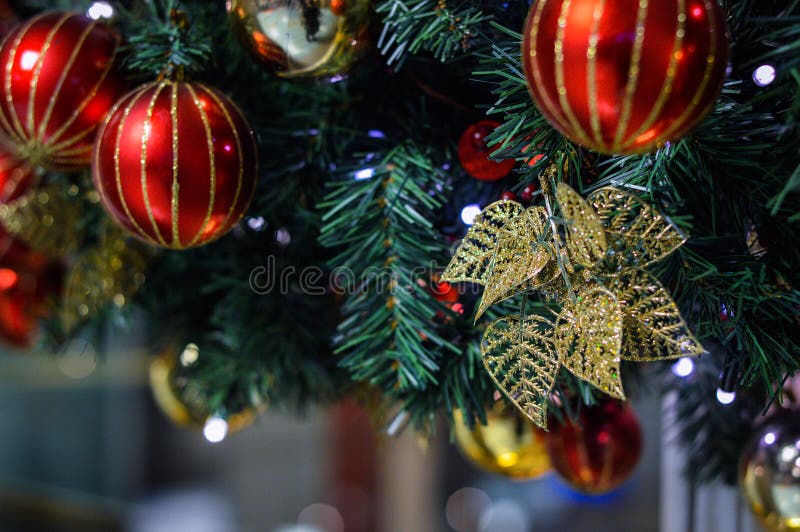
(109, 273)
(637, 234)
(589, 339)
(47, 219)
(586, 240)
(522, 360)
(653, 326)
(521, 254)
(474, 256)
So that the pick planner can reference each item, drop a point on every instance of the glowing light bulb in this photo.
(683, 367)
(215, 429)
(364, 173)
(100, 10)
(469, 213)
(764, 75)
(724, 397)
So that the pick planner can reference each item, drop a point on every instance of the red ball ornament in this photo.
(598, 451)
(444, 292)
(175, 164)
(508, 195)
(57, 82)
(28, 280)
(625, 76)
(473, 153)
(527, 192)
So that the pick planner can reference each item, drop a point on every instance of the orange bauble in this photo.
(57, 82)
(625, 76)
(175, 164)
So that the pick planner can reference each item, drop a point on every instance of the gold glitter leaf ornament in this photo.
(591, 271)
(521, 358)
(653, 326)
(109, 273)
(637, 234)
(520, 255)
(586, 240)
(472, 261)
(589, 339)
(47, 219)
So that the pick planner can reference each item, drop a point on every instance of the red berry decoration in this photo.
(473, 153)
(176, 164)
(527, 192)
(57, 82)
(625, 76)
(508, 195)
(600, 450)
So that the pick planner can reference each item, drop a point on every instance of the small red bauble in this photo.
(625, 76)
(16, 179)
(473, 153)
(175, 164)
(27, 281)
(508, 195)
(598, 451)
(445, 292)
(57, 82)
(527, 192)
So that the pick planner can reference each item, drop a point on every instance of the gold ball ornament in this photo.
(508, 444)
(303, 38)
(769, 472)
(180, 402)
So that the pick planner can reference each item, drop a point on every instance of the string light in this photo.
(364, 173)
(215, 429)
(764, 75)
(469, 213)
(683, 367)
(100, 10)
(724, 397)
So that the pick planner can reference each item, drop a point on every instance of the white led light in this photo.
(215, 429)
(100, 10)
(724, 397)
(764, 75)
(469, 213)
(683, 367)
(364, 173)
(769, 438)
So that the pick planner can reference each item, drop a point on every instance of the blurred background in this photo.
(86, 447)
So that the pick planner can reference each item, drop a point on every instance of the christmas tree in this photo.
(417, 203)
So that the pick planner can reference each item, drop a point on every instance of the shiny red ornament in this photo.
(28, 281)
(57, 82)
(625, 76)
(473, 153)
(176, 164)
(598, 451)
(508, 195)
(527, 192)
(445, 292)
(16, 179)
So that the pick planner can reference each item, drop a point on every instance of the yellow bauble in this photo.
(182, 405)
(769, 472)
(303, 38)
(508, 444)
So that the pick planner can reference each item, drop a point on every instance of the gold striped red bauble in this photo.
(57, 82)
(175, 164)
(625, 76)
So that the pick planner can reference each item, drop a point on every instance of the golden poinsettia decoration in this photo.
(590, 265)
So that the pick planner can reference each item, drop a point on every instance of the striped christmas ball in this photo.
(625, 76)
(57, 82)
(175, 164)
